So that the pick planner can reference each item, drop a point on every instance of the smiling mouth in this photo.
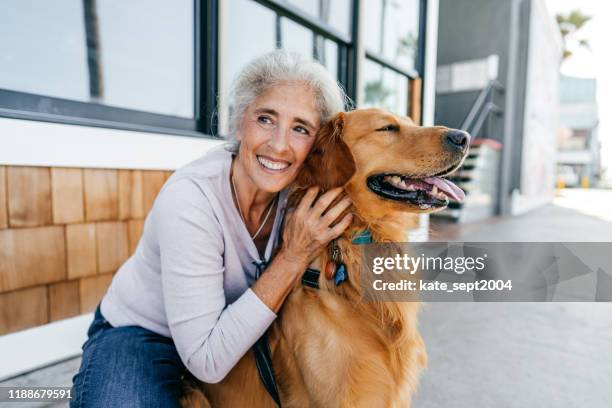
(274, 165)
(431, 192)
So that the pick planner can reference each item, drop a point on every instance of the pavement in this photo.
(523, 354)
(574, 215)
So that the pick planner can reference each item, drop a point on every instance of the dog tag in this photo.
(341, 275)
(330, 269)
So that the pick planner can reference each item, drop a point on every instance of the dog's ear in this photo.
(330, 163)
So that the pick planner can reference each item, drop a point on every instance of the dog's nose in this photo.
(457, 139)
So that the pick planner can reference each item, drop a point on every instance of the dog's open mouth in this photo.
(426, 192)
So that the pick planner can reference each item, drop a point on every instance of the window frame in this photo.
(23, 105)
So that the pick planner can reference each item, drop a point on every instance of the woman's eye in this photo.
(264, 120)
(302, 130)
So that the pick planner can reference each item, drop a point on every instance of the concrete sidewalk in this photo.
(517, 355)
(575, 215)
(523, 354)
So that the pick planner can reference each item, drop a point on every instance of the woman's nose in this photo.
(280, 139)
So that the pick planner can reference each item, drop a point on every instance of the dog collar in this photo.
(310, 277)
(363, 237)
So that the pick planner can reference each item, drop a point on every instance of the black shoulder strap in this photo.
(263, 360)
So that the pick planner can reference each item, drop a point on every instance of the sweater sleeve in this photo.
(209, 335)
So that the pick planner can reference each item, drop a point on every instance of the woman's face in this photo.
(277, 133)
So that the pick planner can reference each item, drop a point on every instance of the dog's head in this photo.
(386, 163)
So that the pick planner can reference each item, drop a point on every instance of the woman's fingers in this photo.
(306, 202)
(307, 229)
(325, 200)
(335, 211)
(340, 227)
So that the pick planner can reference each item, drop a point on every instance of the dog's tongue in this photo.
(448, 187)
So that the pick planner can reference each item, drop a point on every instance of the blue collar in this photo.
(363, 237)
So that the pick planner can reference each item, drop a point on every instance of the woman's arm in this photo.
(209, 335)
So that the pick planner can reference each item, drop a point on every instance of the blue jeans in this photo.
(127, 367)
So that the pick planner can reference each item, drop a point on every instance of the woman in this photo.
(190, 299)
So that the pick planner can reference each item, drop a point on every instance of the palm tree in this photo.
(569, 25)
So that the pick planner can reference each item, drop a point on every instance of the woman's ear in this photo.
(330, 163)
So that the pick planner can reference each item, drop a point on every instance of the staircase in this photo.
(479, 174)
(478, 177)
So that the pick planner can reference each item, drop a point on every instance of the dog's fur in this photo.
(330, 347)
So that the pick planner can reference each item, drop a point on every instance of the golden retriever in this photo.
(329, 347)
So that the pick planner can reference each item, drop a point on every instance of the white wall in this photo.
(541, 112)
(33, 143)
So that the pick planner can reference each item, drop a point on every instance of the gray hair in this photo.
(280, 67)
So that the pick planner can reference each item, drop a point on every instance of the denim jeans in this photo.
(127, 367)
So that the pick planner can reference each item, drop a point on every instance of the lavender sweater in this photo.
(191, 273)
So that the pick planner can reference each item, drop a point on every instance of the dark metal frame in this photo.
(207, 65)
(23, 105)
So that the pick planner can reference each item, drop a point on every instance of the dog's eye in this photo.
(388, 128)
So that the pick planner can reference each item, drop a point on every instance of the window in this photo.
(51, 62)
(335, 13)
(83, 59)
(167, 66)
(385, 88)
(239, 40)
(392, 30)
(393, 39)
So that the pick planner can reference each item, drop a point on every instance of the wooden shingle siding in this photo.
(29, 196)
(81, 250)
(91, 291)
(67, 195)
(64, 300)
(101, 195)
(31, 256)
(23, 308)
(130, 194)
(64, 232)
(152, 183)
(135, 228)
(3, 195)
(112, 245)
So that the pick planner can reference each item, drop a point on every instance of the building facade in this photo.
(498, 78)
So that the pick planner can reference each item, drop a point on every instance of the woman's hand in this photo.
(308, 229)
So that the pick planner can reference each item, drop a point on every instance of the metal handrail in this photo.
(481, 108)
(490, 107)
